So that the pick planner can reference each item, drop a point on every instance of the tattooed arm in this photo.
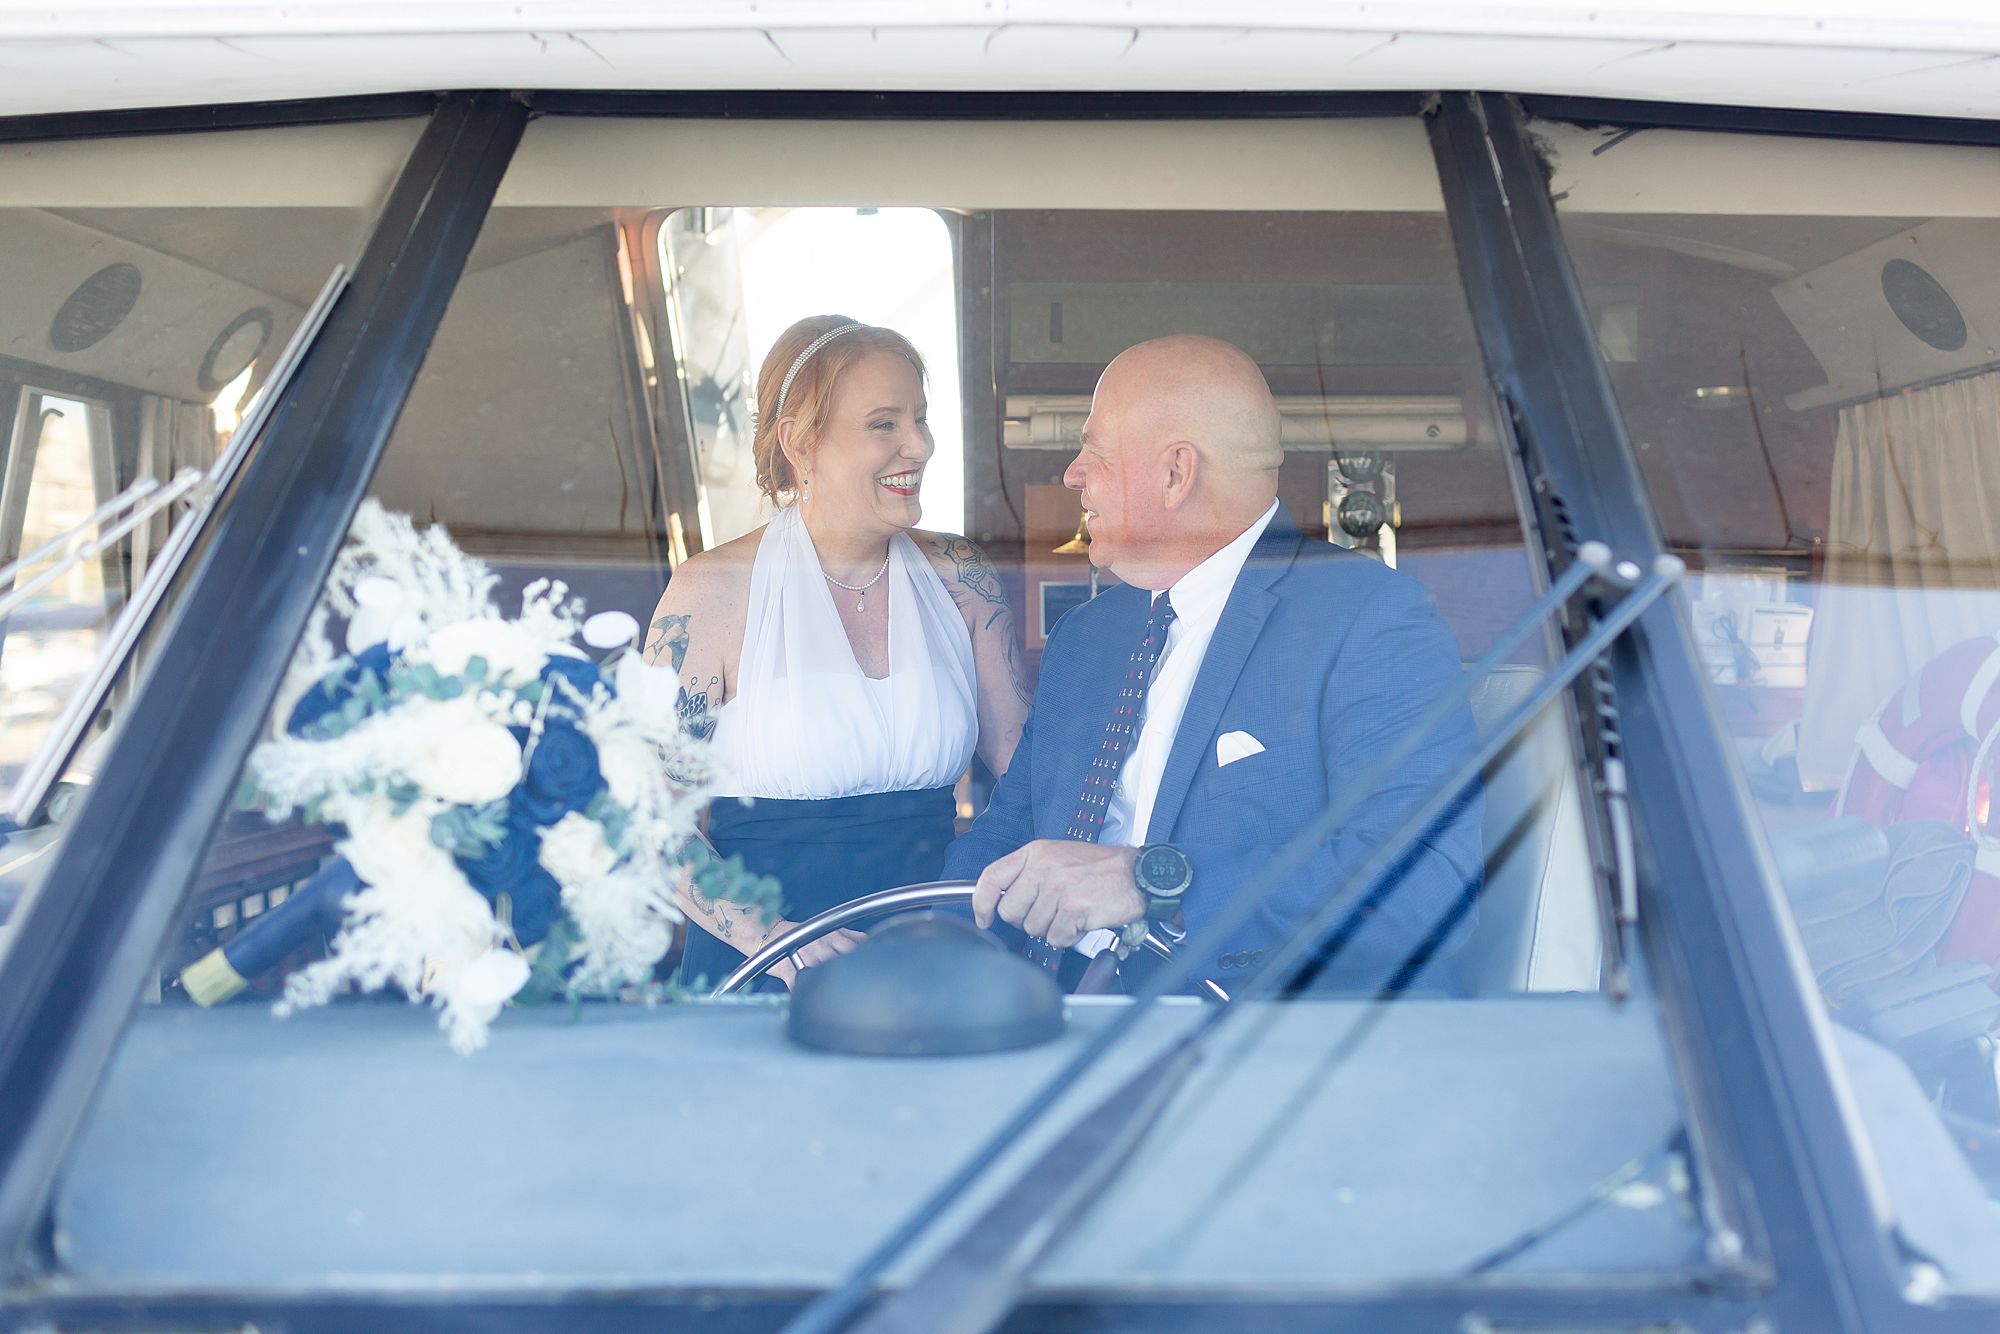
(697, 632)
(696, 628)
(996, 648)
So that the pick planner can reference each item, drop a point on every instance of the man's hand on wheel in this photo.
(1060, 891)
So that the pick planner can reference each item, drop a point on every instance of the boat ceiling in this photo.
(1933, 57)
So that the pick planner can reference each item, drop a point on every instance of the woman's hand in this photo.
(826, 947)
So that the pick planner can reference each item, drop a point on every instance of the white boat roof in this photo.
(1931, 57)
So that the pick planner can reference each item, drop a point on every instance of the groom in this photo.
(1191, 720)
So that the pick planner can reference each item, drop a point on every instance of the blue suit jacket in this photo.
(1325, 657)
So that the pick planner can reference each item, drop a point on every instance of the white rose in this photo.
(376, 625)
(387, 849)
(489, 980)
(648, 692)
(511, 653)
(628, 765)
(460, 754)
(575, 851)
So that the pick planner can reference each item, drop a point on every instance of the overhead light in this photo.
(1721, 396)
(1307, 424)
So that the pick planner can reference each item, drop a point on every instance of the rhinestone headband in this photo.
(785, 385)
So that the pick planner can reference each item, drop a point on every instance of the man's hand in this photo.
(1060, 891)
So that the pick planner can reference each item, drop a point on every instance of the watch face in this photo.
(1163, 870)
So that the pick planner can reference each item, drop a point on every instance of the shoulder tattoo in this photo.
(669, 641)
(975, 579)
(977, 590)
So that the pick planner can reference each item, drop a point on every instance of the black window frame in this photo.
(74, 968)
(1812, 1250)
(1827, 1246)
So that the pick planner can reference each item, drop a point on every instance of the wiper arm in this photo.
(140, 502)
(973, 1285)
(106, 513)
(938, 1295)
(1631, 1173)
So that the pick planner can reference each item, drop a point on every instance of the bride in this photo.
(844, 663)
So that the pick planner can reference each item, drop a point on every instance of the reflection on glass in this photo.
(572, 423)
(1803, 336)
(153, 280)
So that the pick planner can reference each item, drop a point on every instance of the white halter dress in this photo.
(850, 776)
(804, 722)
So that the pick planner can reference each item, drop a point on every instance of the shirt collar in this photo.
(1199, 594)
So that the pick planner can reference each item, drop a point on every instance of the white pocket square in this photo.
(1233, 746)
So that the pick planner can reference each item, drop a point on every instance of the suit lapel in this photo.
(1243, 616)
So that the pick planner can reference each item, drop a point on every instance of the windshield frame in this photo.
(1796, 1143)
(76, 960)
(1771, 1118)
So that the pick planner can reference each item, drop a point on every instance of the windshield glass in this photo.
(1807, 372)
(810, 484)
(153, 282)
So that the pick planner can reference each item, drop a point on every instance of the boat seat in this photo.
(1538, 927)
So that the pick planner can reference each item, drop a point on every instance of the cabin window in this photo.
(736, 277)
(1804, 336)
(580, 417)
(59, 469)
(152, 282)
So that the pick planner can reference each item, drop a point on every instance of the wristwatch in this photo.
(1163, 874)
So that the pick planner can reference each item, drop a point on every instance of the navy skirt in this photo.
(823, 853)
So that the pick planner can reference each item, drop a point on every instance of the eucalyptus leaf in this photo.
(545, 975)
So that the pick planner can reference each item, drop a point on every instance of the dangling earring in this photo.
(806, 491)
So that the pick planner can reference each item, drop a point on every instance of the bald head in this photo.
(1180, 455)
(1204, 391)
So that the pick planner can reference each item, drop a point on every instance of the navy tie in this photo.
(1121, 732)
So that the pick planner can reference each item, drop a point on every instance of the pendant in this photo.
(861, 603)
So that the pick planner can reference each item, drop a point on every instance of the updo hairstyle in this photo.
(812, 389)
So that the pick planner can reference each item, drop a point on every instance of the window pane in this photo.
(740, 276)
(151, 284)
(590, 413)
(62, 449)
(1803, 338)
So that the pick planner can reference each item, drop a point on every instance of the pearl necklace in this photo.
(860, 590)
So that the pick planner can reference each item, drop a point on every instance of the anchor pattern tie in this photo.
(1122, 731)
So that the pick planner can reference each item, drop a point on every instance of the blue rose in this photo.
(563, 768)
(580, 673)
(504, 865)
(526, 809)
(338, 686)
(535, 902)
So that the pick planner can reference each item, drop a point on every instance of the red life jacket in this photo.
(1928, 754)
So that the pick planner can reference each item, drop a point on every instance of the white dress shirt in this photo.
(1198, 598)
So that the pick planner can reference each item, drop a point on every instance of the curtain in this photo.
(172, 435)
(1913, 555)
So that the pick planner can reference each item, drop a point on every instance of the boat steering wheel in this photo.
(905, 898)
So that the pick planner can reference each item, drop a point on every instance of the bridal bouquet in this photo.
(505, 804)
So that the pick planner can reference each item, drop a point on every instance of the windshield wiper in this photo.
(111, 520)
(974, 1282)
(1610, 1189)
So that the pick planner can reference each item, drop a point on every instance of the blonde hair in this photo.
(811, 393)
